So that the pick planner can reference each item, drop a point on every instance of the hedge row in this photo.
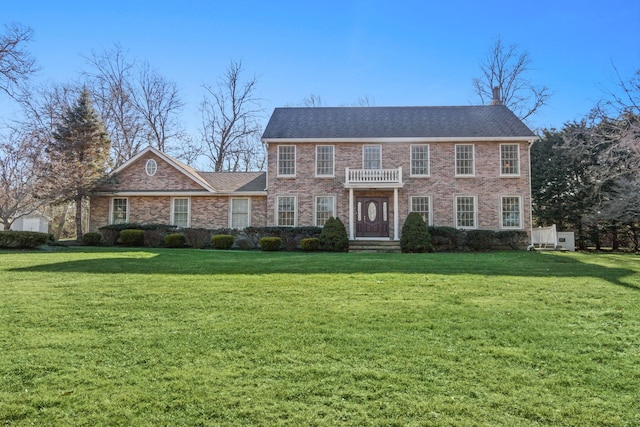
(449, 239)
(22, 239)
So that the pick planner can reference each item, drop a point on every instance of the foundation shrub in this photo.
(415, 235)
(310, 244)
(198, 238)
(175, 240)
(221, 241)
(333, 237)
(270, 243)
(132, 237)
(91, 239)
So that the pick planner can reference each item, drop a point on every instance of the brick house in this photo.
(465, 167)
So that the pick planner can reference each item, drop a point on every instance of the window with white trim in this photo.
(509, 159)
(239, 213)
(511, 216)
(180, 212)
(151, 167)
(465, 212)
(324, 160)
(286, 160)
(422, 205)
(286, 211)
(420, 160)
(371, 157)
(465, 161)
(119, 210)
(324, 209)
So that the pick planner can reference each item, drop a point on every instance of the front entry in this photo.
(372, 216)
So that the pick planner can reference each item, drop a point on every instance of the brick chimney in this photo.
(496, 96)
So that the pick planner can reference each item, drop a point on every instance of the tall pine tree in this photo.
(77, 156)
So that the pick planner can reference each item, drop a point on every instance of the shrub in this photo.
(22, 239)
(197, 237)
(415, 235)
(174, 240)
(245, 244)
(310, 244)
(154, 238)
(270, 243)
(91, 239)
(514, 239)
(222, 241)
(446, 239)
(480, 240)
(132, 237)
(333, 236)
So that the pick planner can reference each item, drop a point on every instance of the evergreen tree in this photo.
(415, 235)
(77, 156)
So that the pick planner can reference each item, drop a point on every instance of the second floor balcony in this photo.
(373, 178)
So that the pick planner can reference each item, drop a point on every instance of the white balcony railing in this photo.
(374, 176)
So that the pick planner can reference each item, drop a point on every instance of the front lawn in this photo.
(153, 337)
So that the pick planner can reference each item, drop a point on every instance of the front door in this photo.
(372, 217)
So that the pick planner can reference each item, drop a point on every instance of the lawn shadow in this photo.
(210, 262)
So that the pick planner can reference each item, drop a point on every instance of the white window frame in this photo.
(173, 211)
(295, 210)
(315, 207)
(231, 203)
(473, 160)
(517, 173)
(364, 156)
(429, 220)
(151, 167)
(333, 161)
(112, 206)
(475, 212)
(502, 223)
(289, 175)
(428, 174)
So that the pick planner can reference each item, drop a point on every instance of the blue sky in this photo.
(393, 52)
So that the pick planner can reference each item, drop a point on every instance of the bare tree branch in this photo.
(16, 64)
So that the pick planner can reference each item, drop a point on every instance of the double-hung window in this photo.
(465, 160)
(420, 160)
(286, 211)
(119, 210)
(371, 157)
(511, 216)
(324, 209)
(286, 160)
(239, 213)
(180, 212)
(509, 159)
(465, 212)
(324, 160)
(422, 205)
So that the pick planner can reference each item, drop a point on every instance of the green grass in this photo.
(186, 337)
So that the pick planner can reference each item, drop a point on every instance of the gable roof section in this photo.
(483, 122)
(223, 183)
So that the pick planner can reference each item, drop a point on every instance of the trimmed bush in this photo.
(270, 243)
(22, 239)
(91, 239)
(174, 240)
(480, 240)
(198, 238)
(154, 238)
(244, 244)
(132, 237)
(221, 241)
(415, 235)
(310, 244)
(333, 237)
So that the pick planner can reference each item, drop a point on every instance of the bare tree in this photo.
(508, 68)
(158, 102)
(138, 106)
(19, 163)
(16, 64)
(230, 127)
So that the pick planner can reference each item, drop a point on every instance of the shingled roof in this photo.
(486, 121)
(226, 182)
